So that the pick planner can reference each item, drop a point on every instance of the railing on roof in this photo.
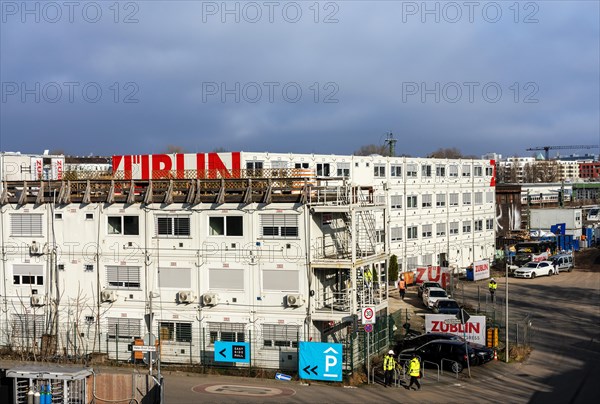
(342, 195)
(193, 174)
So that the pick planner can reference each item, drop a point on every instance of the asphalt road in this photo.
(562, 368)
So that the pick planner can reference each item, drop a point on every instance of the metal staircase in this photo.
(364, 291)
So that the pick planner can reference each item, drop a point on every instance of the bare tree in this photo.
(548, 171)
(447, 153)
(174, 149)
(370, 149)
(220, 150)
(541, 171)
(507, 174)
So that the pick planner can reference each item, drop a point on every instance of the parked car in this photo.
(562, 262)
(431, 295)
(426, 285)
(449, 354)
(533, 269)
(446, 306)
(483, 353)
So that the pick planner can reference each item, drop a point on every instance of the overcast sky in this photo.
(305, 76)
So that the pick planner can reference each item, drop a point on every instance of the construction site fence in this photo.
(73, 343)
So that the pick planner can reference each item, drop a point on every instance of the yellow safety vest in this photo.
(389, 363)
(415, 367)
(368, 275)
(493, 286)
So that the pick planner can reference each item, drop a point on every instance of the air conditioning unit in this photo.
(38, 300)
(210, 299)
(186, 296)
(294, 300)
(108, 296)
(34, 248)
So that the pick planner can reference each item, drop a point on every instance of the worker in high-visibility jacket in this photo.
(414, 371)
(492, 286)
(368, 276)
(402, 287)
(389, 364)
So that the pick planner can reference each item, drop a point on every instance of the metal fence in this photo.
(270, 347)
(520, 329)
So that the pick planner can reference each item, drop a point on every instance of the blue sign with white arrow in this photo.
(281, 376)
(320, 361)
(232, 351)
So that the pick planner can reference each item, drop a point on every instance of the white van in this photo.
(562, 262)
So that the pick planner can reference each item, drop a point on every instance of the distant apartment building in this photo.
(492, 156)
(569, 170)
(87, 165)
(536, 169)
(589, 170)
(512, 170)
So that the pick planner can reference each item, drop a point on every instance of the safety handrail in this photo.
(451, 361)
(433, 363)
(397, 371)
(402, 363)
(396, 375)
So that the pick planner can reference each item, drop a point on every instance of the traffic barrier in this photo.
(492, 337)
(495, 355)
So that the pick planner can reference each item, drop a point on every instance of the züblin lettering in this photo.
(156, 166)
(440, 326)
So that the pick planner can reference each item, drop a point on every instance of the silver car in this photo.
(431, 295)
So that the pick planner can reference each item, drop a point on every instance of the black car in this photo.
(483, 353)
(449, 354)
(426, 285)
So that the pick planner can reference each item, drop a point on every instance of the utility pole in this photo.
(391, 143)
(528, 211)
(506, 350)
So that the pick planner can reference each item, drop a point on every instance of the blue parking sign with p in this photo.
(320, 361)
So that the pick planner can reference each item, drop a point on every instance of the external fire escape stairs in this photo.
(352, 247)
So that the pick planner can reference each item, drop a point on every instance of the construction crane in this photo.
(546, 149)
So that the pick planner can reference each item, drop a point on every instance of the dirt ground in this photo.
(588, 259)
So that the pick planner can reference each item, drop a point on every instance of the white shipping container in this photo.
(544, 219)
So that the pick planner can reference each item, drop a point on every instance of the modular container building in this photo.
(268, 249)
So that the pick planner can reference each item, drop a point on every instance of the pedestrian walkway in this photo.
(411, 306)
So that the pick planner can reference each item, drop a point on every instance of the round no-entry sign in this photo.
(368, 315)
